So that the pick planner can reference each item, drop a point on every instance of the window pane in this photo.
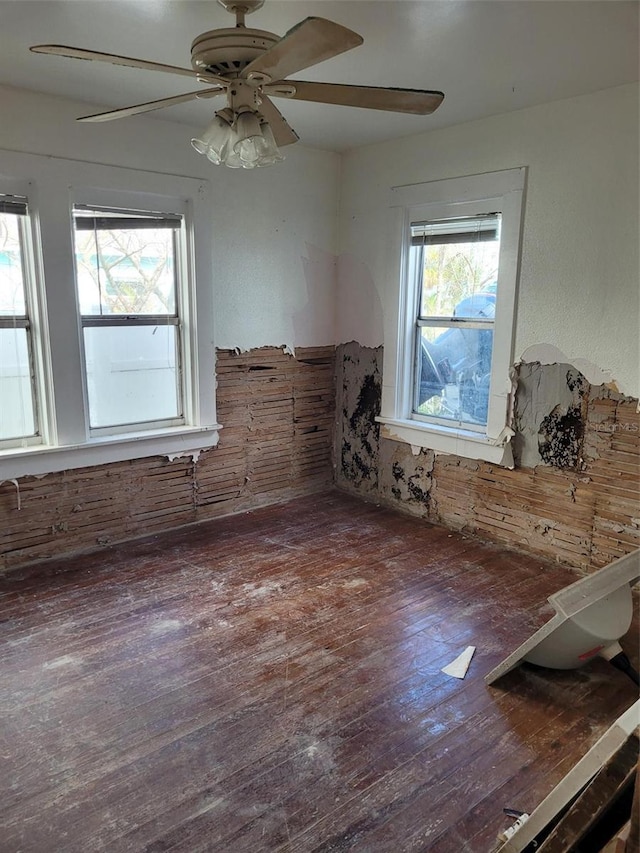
(459, 266)
(17, 417)
(12, 299)
(132, 374)
(126, 271)
(453, 373)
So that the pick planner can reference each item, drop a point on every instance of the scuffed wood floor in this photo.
(271, 682)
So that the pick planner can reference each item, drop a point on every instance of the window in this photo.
(106, 315)
(456, 262)
(18, 412)
(129, 281)
(446, 372)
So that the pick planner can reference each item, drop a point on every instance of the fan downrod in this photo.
(240, 8)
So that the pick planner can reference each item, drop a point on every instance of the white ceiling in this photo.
(488, 56)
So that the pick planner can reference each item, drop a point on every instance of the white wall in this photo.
(264, 222)
(274, 231)
(579, 284)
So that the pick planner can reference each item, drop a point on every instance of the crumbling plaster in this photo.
(548, 417)
(357, 434)
(570, 492)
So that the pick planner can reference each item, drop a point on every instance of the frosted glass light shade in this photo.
(242, 141)
(215, 138)
(270, 152)
(247, 146)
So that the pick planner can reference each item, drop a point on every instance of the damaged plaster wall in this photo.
(549, 415)
(278, 414)
(357, 435)
(366, 463)
(573, 496)
(406, 477)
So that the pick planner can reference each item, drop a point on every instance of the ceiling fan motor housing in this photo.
(226, 52)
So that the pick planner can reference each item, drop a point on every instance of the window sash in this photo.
(126, 220)
(84, 219)
(475, 323)
(15, 322)
(18, 206)
(89, 320)
(116, 372)
(469, 229)
(443, 420)
(483, 227)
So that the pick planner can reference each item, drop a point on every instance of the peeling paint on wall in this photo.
(405, 476)
(573, 495)
(549, 415)
(194, 455)
(548, 354)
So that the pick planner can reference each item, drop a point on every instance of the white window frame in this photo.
(54, 186)
(31, 268)
(495, 192)
(183, 302)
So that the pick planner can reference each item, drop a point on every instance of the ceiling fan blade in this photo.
(282, 132)
(152, 105)
(416, 101)
(130, 62)
(311, 41)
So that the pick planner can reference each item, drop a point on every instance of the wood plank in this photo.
(595, 800)
(278, 416)
(272, 680)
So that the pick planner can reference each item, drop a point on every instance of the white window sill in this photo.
(40, 459)
(456, 442)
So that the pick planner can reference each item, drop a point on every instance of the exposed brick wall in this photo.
(277, 413)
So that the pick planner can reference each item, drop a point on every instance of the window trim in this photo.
(456, 226)
(502, 192)
(177, 223)
(34, 306)
(52, 186)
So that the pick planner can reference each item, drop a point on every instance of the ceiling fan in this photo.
(250, 66)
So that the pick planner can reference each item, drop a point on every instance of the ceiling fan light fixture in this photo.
(215, 136)
(249, 136)
(259, 149)
(270, 152)
(256, 145)
(250, 66)
(241, 140)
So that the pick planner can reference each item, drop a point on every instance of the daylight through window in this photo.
(18, 412)
(127, 273)
(456, 264)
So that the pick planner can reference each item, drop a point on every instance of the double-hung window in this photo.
(456, 262)
(106, 315)
(18, 407)
(128, 277)
(447, 379)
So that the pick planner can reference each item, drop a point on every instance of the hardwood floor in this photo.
(271, 682)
